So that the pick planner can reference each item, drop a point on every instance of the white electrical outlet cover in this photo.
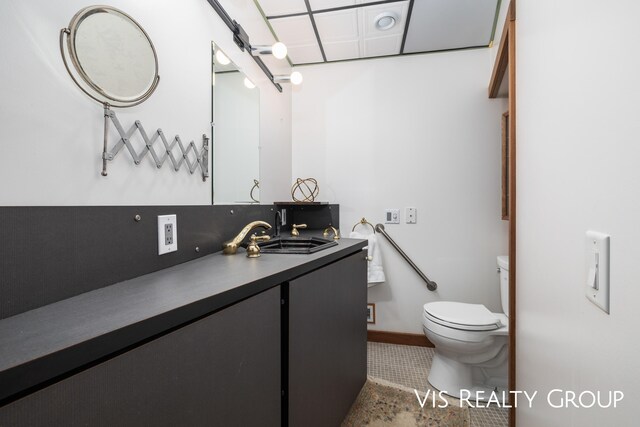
(411, 215)
(597, 268)
(163, 246)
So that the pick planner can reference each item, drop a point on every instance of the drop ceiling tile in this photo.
(338, 26)
(382, 46)
(370, 13)
(294, 31)
(336, 51)
(305, 54)
(282, 7)
(328, 4)
(450, 24)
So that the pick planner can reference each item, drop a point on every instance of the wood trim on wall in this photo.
(506, 62)
(505, 165)
(401, 338)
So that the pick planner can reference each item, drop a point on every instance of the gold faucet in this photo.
(294, 229)
(336, 233)
(231, 247)
(253, 250)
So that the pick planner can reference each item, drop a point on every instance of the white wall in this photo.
(578, 155)
(410, 131)
(52, 133)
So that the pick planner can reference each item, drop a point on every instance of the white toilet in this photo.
(471, 343)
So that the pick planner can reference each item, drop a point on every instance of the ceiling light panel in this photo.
(282, 7)
(450, 24)
(297, 33)
(376, 42)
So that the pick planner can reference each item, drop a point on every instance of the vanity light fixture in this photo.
(294, 78)
(278, 50)
(241, 39)
(248, 83)
(222, 58)
(385, 21)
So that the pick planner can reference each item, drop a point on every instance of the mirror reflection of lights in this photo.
(248, 83)
(222, 58)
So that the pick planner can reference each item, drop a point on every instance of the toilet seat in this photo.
(463, 316)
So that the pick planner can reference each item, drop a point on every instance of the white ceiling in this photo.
(345, 29)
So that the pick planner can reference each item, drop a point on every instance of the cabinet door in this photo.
(327, 342)
(223, 370)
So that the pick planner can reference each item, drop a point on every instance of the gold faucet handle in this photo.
(261, 238)
(253, 250)
(294, 229)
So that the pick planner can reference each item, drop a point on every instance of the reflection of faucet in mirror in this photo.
(231, 247)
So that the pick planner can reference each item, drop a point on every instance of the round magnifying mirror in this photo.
(113, 55)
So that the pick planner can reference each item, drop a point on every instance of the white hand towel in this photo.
(375, 273)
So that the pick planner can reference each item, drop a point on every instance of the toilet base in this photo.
(450, 376)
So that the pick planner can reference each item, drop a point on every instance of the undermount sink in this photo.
(295, 245)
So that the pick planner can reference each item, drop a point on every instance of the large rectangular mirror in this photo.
(235, 122)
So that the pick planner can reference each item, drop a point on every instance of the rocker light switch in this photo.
(597, 286)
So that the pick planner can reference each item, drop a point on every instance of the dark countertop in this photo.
(51, 341)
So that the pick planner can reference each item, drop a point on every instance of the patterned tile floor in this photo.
(409, 366)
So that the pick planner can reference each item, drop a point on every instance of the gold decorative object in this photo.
(305, 190)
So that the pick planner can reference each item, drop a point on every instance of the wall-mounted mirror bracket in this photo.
(189, 155)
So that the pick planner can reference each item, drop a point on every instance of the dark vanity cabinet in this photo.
(327, 342)
(288, 348)
(221, 370)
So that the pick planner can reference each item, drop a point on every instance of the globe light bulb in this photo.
(296, 78)
(279, 50)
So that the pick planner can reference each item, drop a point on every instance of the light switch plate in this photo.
(411, 215)
(167, 234)
(392, 216)
(597, 268)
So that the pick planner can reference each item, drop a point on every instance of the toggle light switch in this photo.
(593, 271)
(597, 286)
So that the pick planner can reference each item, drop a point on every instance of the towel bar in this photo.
(431, 285)
(363, 221)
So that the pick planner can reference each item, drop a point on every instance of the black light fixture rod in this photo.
(234, 26)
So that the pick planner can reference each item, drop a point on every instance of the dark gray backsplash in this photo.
(48, 254)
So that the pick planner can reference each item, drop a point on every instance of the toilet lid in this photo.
(462, 315)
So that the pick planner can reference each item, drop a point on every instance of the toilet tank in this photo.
(503, 268)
